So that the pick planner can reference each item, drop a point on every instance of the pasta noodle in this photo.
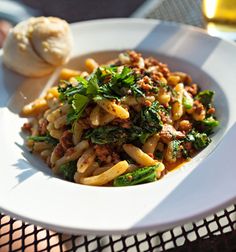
(138, 155)
(95, 116)
(85, 160)
(106, 176)
(113, 108)
(151, 144)
(71, 154)
(124, 124)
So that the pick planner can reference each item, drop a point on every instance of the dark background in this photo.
(76, 10)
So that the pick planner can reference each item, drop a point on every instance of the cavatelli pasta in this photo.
(127, 122)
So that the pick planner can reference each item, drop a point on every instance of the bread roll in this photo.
(36, 46)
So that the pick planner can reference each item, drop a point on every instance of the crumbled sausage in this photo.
(165, 117)
(105, 154)
(59, 151)
(187, 146)
(211, 111)
(147, 103)
(66, 139)
(43, 127)
(27, 127)
(193, 89)
(102, 151)
(169, 133)
(198, 107)
(185, 125)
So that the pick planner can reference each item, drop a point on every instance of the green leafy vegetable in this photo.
(137, 133)
(199, 140)
(145, 124)
(78, 104)
(114, 84)
(205, 97)
(139, 176)
(175, 147)
(187, 100)
(210, 122)
(46, 138)
(159, 155)
(207, 125)
(150, 119)
(68, 170)
(105, 82)
(67, 91)
(107, 134)
(93, 84)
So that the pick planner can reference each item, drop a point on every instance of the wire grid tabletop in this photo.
(180, 11)
(215, 233)
(200, 236)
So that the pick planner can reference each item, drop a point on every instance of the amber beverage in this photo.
(220, 17)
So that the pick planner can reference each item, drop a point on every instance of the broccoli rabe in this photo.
(139, 176)
(205, 97)
(199, 140)
(49, 139)
(107, 134)
(68, 170)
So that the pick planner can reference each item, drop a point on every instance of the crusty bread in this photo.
(36, 46)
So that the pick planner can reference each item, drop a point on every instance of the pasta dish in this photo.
(124, 123)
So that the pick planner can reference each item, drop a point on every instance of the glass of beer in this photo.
(220, 16)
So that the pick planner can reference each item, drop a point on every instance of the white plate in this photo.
(30, 192)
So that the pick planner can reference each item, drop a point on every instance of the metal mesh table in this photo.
(215, 233)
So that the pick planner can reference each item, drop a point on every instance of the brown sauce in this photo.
(174, 166)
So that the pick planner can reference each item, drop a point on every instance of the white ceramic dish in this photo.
(30, 192)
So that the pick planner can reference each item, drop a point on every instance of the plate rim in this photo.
(141, 228)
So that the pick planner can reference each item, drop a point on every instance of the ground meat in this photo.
(102, 151)
(184, 78)
(187, 146)
(85, 123)
(193, 89)
(198, 107)
(59, 151)
(211, 111)
(27, 127)
(115, 158)
(145, 83)
(169, 133)
(43, 127)
(165, 71)
(156, 76)
(165, 118)
(147, 103)
(88, 110)
(66, 140)
(106, 155)
(134, 56)
(124, 123)
(185, 125)
(149, 62)
(70, 151)
(151, 155)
